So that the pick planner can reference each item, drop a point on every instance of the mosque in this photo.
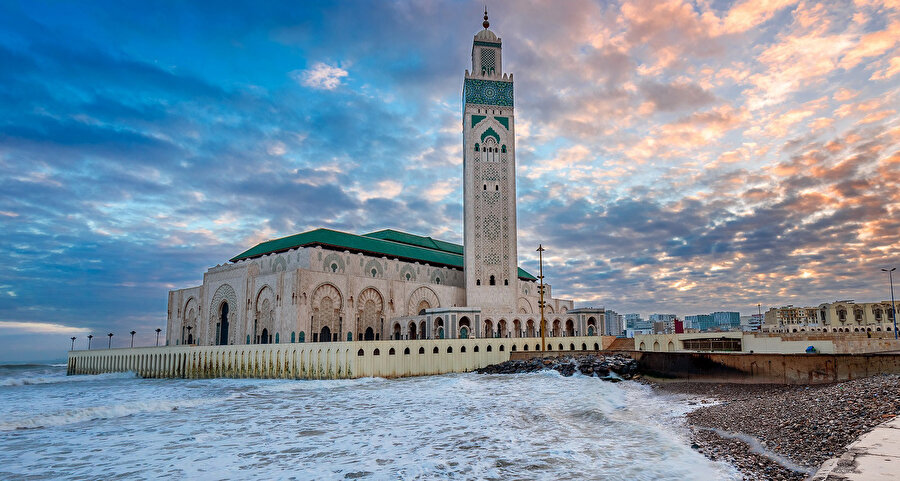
(325, 286)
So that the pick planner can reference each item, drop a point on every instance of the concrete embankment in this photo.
(766, 368)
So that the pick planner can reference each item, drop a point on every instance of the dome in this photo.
(486, 35)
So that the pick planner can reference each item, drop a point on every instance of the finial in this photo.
(486, 23)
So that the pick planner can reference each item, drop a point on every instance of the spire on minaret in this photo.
(486, 23)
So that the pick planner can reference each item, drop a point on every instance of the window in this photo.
(360, 352)
(449, 349)
(392, 352)
(477, 282)
(422, 350)
(505, 282)
(493, 281)
(435, 351)
(377, 352)
(406, 352)
(497, 187)
(374, 272)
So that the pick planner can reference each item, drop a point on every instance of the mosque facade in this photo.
(325, 286)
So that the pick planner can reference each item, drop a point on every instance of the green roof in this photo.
(388, 242)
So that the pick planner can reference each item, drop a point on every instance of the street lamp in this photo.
(893, 306)
(73, 343)
(90, 336)
(132, 338)
(540, 251)
(109, 346)
(158, 330)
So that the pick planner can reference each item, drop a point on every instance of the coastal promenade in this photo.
(874, 456)
(319, 360)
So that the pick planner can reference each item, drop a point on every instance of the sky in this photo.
(673, 156)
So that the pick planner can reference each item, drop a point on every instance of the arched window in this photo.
(421, 350)
(360, 352)
(406, 352)
(449, 349)
(485, 186)
(493, 281)
(477, 282)
(477, 147)
(497, 187)
(505, 282)
(462, 349)
(475, 349)
(377, 352)
(489, 348)
(435, 351)
(392, 352)
(503, 148)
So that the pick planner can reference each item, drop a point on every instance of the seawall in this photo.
(766, 368)
(322, 360)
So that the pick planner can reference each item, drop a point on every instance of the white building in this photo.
(324, 285)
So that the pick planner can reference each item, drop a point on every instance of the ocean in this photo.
(457, 426)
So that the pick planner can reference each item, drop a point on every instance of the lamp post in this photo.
(73, 343)
(540, 251)
(90, 336)
(893, 306)
(109, 346)
(158, 330)
(132, 337)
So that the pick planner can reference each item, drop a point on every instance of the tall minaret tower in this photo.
(489, 176)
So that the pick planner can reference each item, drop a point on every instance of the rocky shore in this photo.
(783, 432)
(612, 367)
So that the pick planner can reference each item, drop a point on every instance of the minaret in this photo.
(489, 176)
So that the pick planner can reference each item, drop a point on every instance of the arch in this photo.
(488, 328)
(560, 346)
(369, 312)
(475, 349)
(224, 325)
(264, 313)
(514, 348)
(422, 332)
(572, 346)
(411, 330)
(462, 349)
(525, 347)
(360, 353)
(529, 328)
(670, 347)
(421, 350)
(655, 345)
(557, 330)
(190, 317)
(421, 299)
(596, 346)
(373, 268)
(501, 328)
(392, 352)
(523, 306)
(438, 328)
(293, 337)
(449, 349)
(584, 346)
(376, 352)
(517, 328)
(570, 327)
(334, 263)
(489, 348)
(435, 351)
(396, 331)
(502, 348)
(264, 336)
(327, 303)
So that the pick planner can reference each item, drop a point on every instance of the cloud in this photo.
(320, 76)
(42, 328)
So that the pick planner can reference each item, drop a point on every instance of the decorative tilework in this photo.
(504, 121)
(481, 43)
(489, 92)
(478, 118)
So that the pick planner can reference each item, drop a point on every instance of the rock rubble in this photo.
(796, 427)
(612, 367)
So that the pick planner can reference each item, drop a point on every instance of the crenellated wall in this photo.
(322, 360)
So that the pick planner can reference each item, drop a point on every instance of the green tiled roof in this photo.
(390, 243)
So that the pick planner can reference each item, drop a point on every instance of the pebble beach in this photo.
(784, 432)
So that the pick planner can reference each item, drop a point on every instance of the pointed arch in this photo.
(369, 312)
(420, 299)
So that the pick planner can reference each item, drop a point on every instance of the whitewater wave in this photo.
(52, 379)
(73, 416)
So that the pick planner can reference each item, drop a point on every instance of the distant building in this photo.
(663, 323)
(752, 323)
(629, 332)
(615, 324)
(727, 321)
(838, 316)
(700, 322)
(634, 321)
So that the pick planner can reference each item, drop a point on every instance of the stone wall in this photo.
(323, 360)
